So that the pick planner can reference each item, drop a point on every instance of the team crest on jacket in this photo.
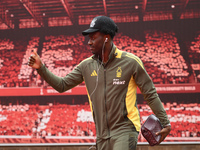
(119, 72)
(118, 75)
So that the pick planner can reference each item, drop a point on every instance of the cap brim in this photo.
(88, 31)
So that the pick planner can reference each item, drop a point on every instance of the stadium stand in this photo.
(41, 121)
(160, 53)
(194, 55)
(12, 53)
(25, 71)
(62, 53)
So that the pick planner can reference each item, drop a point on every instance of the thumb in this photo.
(158, 133)
(35, 52)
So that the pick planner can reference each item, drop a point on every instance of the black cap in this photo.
(102, 24)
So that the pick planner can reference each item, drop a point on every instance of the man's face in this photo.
(96, 41)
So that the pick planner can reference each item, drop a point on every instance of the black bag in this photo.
(149, 129)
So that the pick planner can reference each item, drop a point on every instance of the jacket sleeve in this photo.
(149, 92)
(61, 84)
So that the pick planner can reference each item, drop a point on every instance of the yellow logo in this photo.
(94, 73)
(119, 72)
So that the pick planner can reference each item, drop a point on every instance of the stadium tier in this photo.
(160, 52)
(61, 120)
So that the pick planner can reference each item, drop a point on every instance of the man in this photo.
(111, 77)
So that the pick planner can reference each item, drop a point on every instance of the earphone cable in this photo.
(98, 68)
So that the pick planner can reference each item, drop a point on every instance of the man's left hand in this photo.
(164, 132)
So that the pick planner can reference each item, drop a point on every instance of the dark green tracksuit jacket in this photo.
(111, 91)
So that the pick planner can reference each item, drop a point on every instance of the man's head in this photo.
(102, 24)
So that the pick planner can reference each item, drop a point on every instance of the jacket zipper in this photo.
(106, 102)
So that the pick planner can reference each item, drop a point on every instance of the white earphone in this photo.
(106, 40)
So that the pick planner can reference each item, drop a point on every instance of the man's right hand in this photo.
(34, 61)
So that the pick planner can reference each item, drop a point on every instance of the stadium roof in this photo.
(41, 13)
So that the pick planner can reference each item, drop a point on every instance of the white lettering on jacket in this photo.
(118, 82)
